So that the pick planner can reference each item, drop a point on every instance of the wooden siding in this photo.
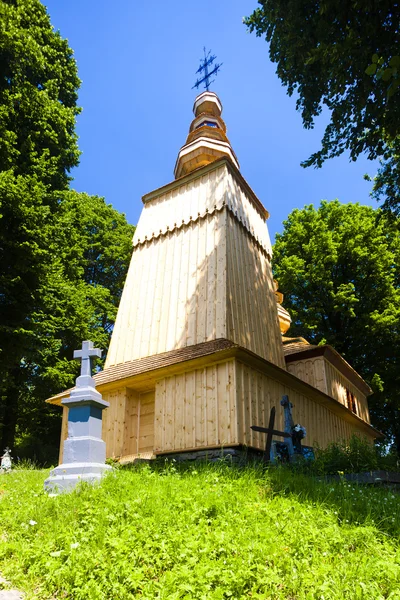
(113, 430)
(64, 433)
(311, 370)
(175, 293)
(196, 409)
(240, 204)
(145, 436)
(337, 384)
(257, 393)
(252, 314)
(128, 423)
(204, 193)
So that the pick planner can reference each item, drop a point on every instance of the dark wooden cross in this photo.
(270, 431)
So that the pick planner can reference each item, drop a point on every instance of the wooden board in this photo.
(252, 314)
(257, 393)
(320, 373)
(196, 409)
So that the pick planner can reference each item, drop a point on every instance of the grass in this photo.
(204, 532)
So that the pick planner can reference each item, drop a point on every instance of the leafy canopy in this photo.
(338, 266)
(38, 95)
(342, 56)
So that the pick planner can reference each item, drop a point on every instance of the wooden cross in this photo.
(270, 431)
(86, 354)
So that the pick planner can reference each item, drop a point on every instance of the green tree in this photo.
(63, 255)
(38, 93)
(338, 267)
(342, 56)
(91, 245)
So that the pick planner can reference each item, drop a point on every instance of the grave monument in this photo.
(84, 450)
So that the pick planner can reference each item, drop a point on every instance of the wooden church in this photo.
(198, 353)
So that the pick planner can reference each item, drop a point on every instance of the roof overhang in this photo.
(142, 375)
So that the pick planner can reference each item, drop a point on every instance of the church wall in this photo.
(337, 384)
(252, 314)
(114, 424)
(186, 202)
(240, 204)
(311, 370)
(196, 409)
(64, 433)
(128, 423)
(257, 393)
(175, 292)
(198, 195)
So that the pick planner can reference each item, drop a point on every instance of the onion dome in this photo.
(283, 315)
(207, 139)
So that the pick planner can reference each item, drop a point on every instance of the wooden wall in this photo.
(175, 293)
(208, 407)
(204, 192)
(196, 409)
(257, 393)
(64, 433)
(128, 423)
(337, 384)
(252, 313)
(321, 374)
(311, 370)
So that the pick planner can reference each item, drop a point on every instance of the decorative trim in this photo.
(202, 171)
(202, 217)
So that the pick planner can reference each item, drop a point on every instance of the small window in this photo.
(208, 123)
(351, 401)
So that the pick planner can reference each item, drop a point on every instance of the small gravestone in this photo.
(5, 465)
(84, 451)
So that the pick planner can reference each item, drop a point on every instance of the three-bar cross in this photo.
(205, 63)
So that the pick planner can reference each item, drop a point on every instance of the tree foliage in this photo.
(63, 255)
(90, 247)
(342, 56)
(38, 95)
(339, 268)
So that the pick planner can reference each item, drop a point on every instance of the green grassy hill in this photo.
(203, 532)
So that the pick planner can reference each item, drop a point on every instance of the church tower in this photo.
(200, 270)
(197, 355)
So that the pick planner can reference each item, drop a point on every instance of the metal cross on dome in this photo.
(205, 63)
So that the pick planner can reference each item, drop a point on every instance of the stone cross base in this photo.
(66, 476)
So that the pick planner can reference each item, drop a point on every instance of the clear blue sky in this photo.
(137, 61)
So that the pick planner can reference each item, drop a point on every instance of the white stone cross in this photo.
(85, 354)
